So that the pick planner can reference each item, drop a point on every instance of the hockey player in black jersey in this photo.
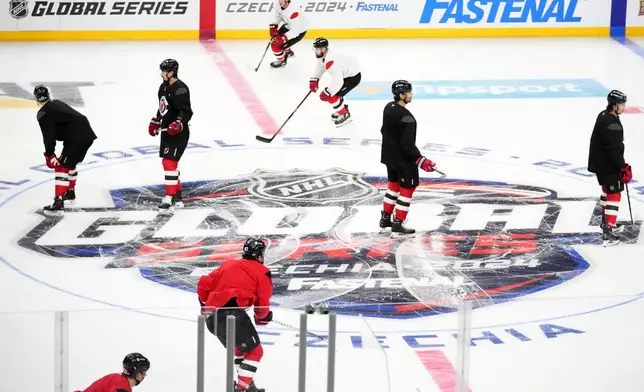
(606, 160)
(60, 122)
(171, 121)
(402, 158)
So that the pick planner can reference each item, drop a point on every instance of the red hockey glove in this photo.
(325, 95)
(626, 174)
(273, 29)
(154, 126)
(51, 160)
(314, 84)
(265, 320)
(425, 164)
(175, 127)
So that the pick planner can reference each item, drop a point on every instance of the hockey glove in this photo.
(175, 127)
(273, 29)
(326, 95)
(314, 84)
(155, 124)
(51, 160)
(425, 164)
(626, 175)
(265, 320)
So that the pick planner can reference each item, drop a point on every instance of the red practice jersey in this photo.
(247, 280)
(115, 382)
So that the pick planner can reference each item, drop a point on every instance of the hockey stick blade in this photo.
(265, 139)
(443, 175)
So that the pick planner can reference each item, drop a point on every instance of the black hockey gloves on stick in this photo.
(264, 55)
(267, 140)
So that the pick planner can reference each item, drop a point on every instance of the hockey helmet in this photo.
(134, 363)
(321, 42)
(400, 87)
(616, 97)
(41, 93)
(168, 65)
(253, 248)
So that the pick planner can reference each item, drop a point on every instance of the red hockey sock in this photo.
(62, 180)
(179, 184)
(73, 175)
(171, 176)
(393, 191)
(612, 208)
(403, 203)
(249, 366)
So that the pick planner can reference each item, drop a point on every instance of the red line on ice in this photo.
(242, 88)
(440, 368)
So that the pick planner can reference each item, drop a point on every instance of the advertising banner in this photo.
(44, 15)
(422, 14)
(635, 15)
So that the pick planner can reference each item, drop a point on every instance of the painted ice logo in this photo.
(18, 9)
(500, 11)
(487, 241)
(14, 95)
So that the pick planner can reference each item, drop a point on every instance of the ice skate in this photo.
(398, 228)
(335, 115)
(617, 229)
(610, 237)
(385, 220)
(57, 208)
(251, 388)
(289, 53)
(343, 119)
(279, 63)
(177, 200)
(69, 198)
(167, 205)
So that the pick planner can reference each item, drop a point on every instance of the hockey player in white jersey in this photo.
(345, 76)
(291, 15)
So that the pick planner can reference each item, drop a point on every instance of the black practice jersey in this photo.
(398, 136)
(606, 154)
(59, 121)
(174, 105)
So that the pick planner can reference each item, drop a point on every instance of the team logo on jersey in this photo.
(18, 9)
(163, 106)
(487, 241)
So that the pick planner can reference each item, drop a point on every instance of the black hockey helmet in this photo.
(320, 43)
(168, 65)
(134, 363)
(616, 97)
(400, 87)
(253, 248)
(41, 93)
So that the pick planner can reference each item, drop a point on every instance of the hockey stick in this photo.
(628, 196)
(440, 172)
(264, 55)
(267, 140)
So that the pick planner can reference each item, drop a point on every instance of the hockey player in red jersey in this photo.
(60, 122)
(291, 15)
(135, 367)
(606, 160)
(171, 121)
(345, 76)
(235, 286)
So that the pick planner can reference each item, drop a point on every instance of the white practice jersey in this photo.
(339, 66)
(293, 17)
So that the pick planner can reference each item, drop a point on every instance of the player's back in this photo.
(234, 278)
(392, 133)
(115, 382)
(347, 63)
(70, 124)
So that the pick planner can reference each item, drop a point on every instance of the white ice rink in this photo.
(555, 311)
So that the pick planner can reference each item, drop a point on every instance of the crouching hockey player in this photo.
(291, 15)
(345, 76)
(606, 160)
(135, 367)
(59, 121)
(231, 289)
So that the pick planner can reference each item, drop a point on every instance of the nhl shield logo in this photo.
(18, 9)
(309, 186)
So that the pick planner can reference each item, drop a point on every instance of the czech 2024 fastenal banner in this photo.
(41, 15)
(255, 15)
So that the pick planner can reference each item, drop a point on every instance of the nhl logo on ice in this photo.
(321, 187)
(18, 9)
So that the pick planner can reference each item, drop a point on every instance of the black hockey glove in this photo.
(265, 320)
